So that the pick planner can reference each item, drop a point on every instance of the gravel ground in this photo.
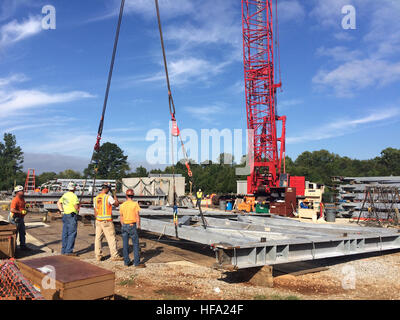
(178, 272)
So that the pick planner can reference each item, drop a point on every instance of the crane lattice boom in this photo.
(266, 157)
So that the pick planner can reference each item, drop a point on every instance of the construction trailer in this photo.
(355, 195)
(153, 185)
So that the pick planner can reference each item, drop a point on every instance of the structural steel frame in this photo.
(247, 241)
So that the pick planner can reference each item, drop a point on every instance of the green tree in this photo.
(390, 160)
(69, 174)
(112, 163)
(140, 172)
(11, 160)
(45, 177)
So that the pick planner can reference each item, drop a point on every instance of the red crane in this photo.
(267, 158)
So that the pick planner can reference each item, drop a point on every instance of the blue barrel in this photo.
(229, 206)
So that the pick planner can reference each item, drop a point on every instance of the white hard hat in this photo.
(19, 188)
(71, 186)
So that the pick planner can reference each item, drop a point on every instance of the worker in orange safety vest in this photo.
(103, 205)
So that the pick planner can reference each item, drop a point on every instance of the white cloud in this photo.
(12, 79)
(328, 13)
(289, 103)
(343, 36)
(24, 127)
(17, 100)
(211, 22)
(355, 75)
(22, 124)
(344, 127)
(376, 63)
(15, 31)
(384, 34)
(205, 113)
(147, 9)
(203, 25)
(168, 8)
(9, 7)
(68, 142)
(339, 53)
(191, 69)
(290, 10)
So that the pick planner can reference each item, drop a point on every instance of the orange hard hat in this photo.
(130, 192)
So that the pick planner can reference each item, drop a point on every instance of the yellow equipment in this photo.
(248, 205)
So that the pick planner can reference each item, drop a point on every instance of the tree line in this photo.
(213, 177)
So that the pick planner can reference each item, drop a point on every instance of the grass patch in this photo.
(279, 297)
(166, 295)
(292, 298)
(128, 282)
(260, 297)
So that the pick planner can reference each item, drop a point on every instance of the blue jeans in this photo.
(130, 232)
(20, 224)
(69, 232)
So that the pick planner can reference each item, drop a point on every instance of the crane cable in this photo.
(101, 124)
(175, 130)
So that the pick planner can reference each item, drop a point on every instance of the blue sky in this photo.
(340, 87)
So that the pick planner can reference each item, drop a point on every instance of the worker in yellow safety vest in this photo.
(199, 197)
(68, 205)
(103, 204)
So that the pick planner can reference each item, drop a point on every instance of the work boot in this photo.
(24, 248)
(117, 258)
(71, 254)
(140, 266)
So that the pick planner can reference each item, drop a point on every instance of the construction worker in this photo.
(130, 222)
(17, 215)
(199, 197)
(304, 205)
(45, 190)
(103, 204)
(68, 205)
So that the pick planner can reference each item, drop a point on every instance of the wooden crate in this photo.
(8, 240)
(75, 279)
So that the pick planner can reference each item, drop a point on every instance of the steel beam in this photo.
(253, 241)
(241, 245)
(54, 197)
